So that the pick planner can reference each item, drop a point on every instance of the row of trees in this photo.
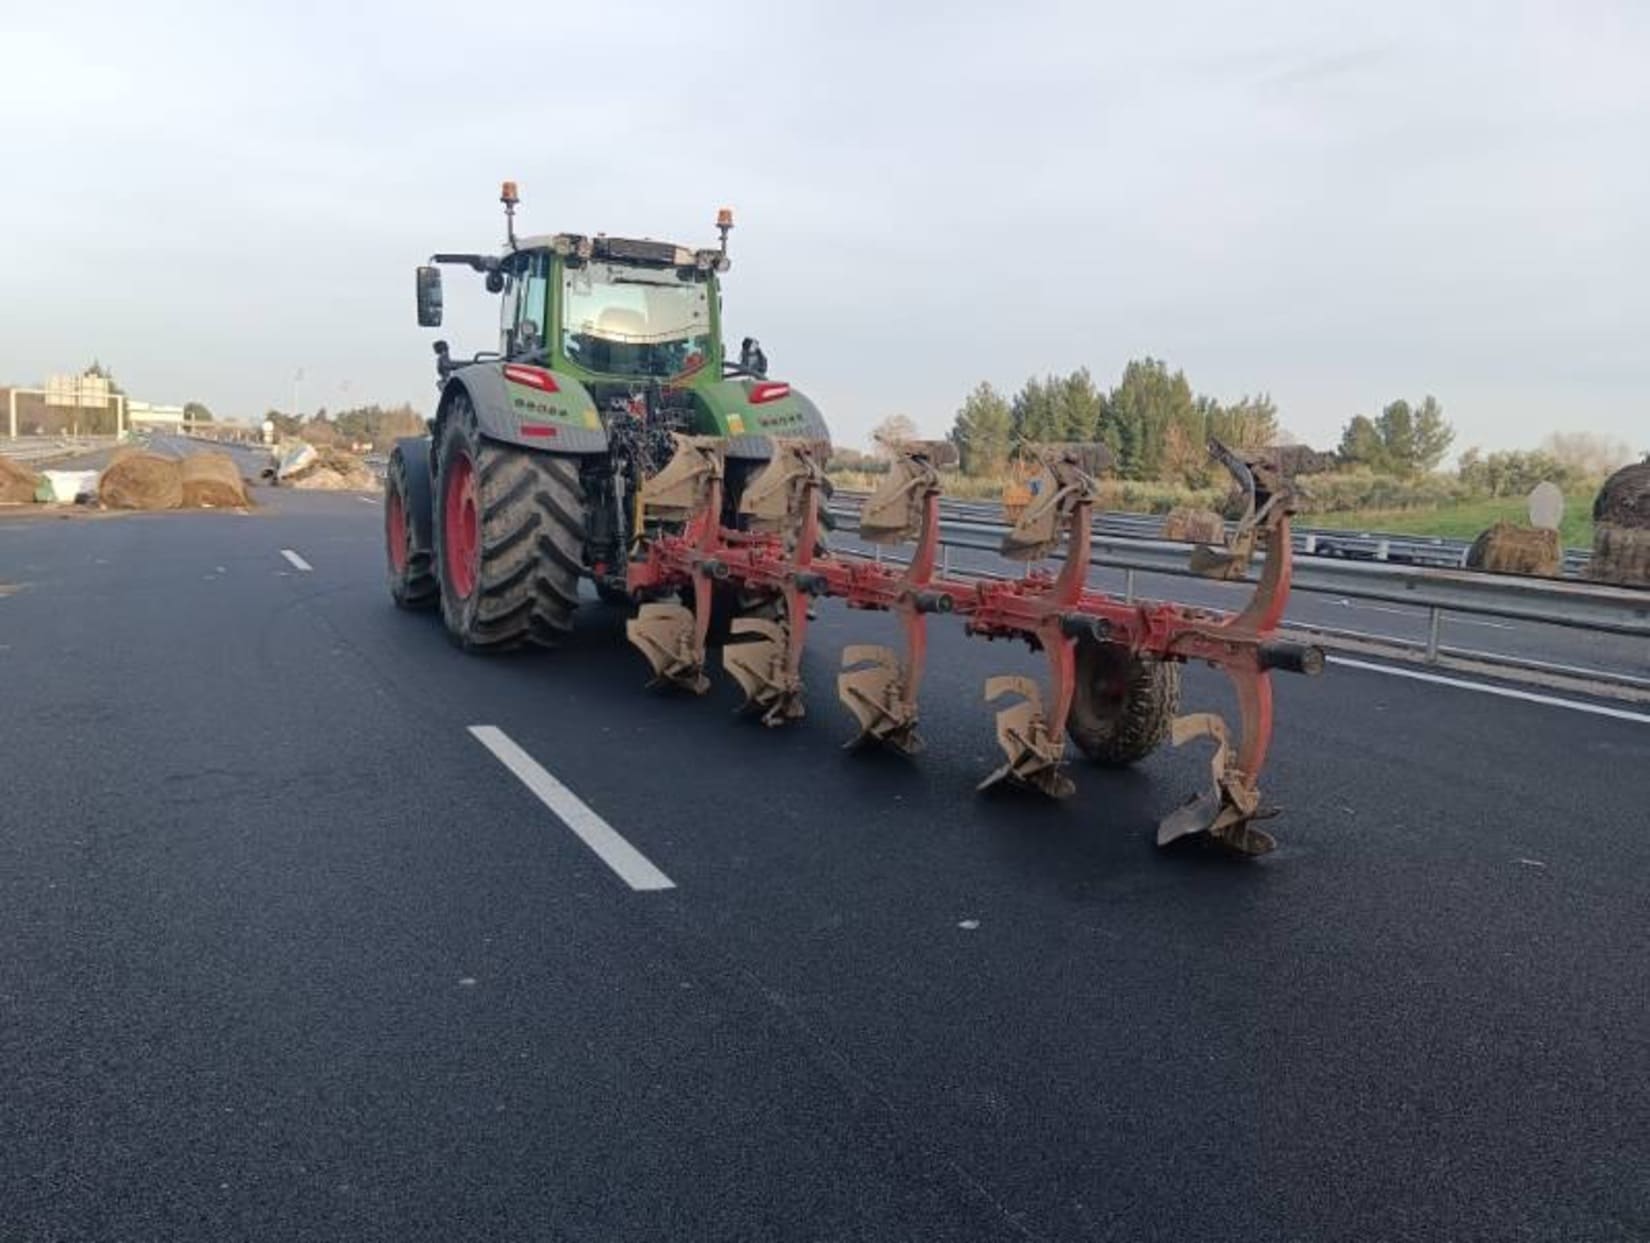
(1564, 458)
(1401, 440)
(373, 425)
(1158, 427)
(1151, 420)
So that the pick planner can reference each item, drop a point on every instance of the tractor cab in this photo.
(624, 310)
(600, 308)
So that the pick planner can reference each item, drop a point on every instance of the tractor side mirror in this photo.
(429, 297)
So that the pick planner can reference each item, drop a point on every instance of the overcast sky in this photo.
(1338, 203)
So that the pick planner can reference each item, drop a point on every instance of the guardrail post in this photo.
(1128, 586)
(1435, 619)
(945, 559)
(1382, 547)
(1311, 545)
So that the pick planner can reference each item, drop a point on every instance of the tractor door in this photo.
(524, 314)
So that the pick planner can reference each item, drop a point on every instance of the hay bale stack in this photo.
(1624, 500)
(17, 486)
(1194, 526)
(1621, 555)
(1621, 528)
(1507, 548)
(141, 481)
(211, 481)
(333, 470)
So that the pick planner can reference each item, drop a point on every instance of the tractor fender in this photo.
(750, 427)
(420, 507)
(557, 411)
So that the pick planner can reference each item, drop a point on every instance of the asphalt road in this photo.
(286, 952)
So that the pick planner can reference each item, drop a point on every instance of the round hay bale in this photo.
(1624, 500)
(16, 484)
(1507, 548)
(1621, 555)
(141, 481)
(1193, 526)
(211, 480)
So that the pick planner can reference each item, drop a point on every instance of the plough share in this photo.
(1099, 648)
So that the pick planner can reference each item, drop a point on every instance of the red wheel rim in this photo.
(395, 531)
(462, 527)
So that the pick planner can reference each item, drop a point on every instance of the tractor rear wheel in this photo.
(1124, 704)
(509, 536)
(410, 558)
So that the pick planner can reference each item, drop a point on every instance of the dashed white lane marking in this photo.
(367, 500)
(1505, 692)
(631, 865)
(298, 562)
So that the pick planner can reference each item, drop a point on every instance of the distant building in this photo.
(143, 414)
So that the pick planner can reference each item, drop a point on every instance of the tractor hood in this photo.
(749, 411)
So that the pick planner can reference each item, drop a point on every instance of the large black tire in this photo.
(509, 536)
(1124, 704)
(408, 554)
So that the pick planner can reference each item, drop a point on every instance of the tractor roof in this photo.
(630, 249)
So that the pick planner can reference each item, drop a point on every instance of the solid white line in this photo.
(297, 561)
(1506, 692)
(596, 833)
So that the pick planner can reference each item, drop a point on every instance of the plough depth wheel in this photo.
(1124, 704)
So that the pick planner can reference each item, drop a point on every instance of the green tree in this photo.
(1139, 412)
(1432, 435)
(1033, 412)
(1402, 439)
(1361, 444)
(377, 426)
(983, 431)
(1473, 470)
(196, 412)
(286, 425)
(1077, 406)
(1251, 423)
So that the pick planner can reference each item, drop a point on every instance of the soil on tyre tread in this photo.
(532, 541)
(1124, 707)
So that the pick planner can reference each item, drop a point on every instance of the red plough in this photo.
(1113, 665)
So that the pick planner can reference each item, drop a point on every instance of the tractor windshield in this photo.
(620, 319)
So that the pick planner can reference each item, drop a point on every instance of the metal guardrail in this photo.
(1595, 607)
(38, 449)
(1311, 541)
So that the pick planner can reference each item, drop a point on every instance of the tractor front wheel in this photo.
(410, 559)
(1124, 704)
(509, 535)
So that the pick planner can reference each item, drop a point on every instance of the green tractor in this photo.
(531, 477)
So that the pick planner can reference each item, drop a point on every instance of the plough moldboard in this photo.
(774, 556)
